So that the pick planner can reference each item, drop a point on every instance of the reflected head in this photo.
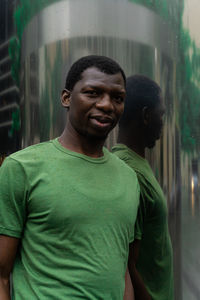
(102, 63)
(141, 92)
(144, 109)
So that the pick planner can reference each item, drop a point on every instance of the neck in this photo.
(133, 140)
(86, 145)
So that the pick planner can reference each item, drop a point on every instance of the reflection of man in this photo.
(140, 127)
(67, 213)
(2, 157)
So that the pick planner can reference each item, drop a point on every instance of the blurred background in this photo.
(40, 39)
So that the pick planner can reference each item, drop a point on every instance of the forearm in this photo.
(4, 289)
(140, 290)
(128, 292)
(8, 249)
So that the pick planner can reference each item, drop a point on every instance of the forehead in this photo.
(93, 76)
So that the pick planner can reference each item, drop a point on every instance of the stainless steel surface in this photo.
(191, 246)
(5, 124)
(9, 90)
(101, 18)
(54, 39)
(9, 106)
(4, 44)
(6, 59)
(44, 75)
(142, 43)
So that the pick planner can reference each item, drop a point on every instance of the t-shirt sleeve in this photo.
(136, 202)
(143, 210)
(12, 198)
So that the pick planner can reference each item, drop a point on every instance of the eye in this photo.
(118, 98)
(91, 93)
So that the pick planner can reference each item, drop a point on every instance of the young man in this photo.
(140, 127)
(68, 206)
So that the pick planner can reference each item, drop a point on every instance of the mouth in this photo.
(101, 121)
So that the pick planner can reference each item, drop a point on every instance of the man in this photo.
(139, 128)
(67, 213)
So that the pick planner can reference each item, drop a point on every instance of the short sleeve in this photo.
(136, 205)
(12, 198)
(139, 221)
(143, 210)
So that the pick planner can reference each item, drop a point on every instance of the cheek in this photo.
(75, 116)
(77, 110)
(119, 110)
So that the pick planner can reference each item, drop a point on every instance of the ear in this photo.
(146, 115)
(65, 98)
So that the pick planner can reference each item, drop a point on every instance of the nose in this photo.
(105, 103)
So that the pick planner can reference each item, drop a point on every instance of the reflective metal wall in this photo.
(60, 34)
(142, 42)
(9, 92)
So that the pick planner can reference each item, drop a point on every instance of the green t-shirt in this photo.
(75, 217)
(155, 257)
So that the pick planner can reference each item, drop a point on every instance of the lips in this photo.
(101, 121)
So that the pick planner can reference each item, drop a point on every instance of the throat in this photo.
(84, 145)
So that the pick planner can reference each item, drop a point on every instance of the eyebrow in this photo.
(100, 87)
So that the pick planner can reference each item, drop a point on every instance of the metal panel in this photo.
(131, 34)
(109, 18)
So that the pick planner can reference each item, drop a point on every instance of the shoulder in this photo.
(32, 152)
(121, 167)
(138, 165)
(32, 156)
(122, 153)
(127, 178)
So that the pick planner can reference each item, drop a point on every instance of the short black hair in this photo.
(102, 63)
(141, 91)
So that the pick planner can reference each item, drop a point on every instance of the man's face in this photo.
(155, 125)
(96, 103)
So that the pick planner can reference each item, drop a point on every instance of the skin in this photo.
(154, 121)
(94, 107)
(141, 133)
(140, 290)
(8, 249)
(129, 292)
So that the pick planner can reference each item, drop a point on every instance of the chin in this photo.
(96, 136)
(99, 134)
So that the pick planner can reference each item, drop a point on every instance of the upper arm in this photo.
(144, 209)
(8, 249)
(12, 198)
(12, 213)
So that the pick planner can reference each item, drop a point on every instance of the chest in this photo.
(77, 196)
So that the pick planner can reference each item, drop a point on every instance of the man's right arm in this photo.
(13, 190)
(8, 249)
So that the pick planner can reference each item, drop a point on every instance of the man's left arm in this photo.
(128, 292)
(140, 290)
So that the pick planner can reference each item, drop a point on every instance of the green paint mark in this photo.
(16, 123)
(25, 11)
